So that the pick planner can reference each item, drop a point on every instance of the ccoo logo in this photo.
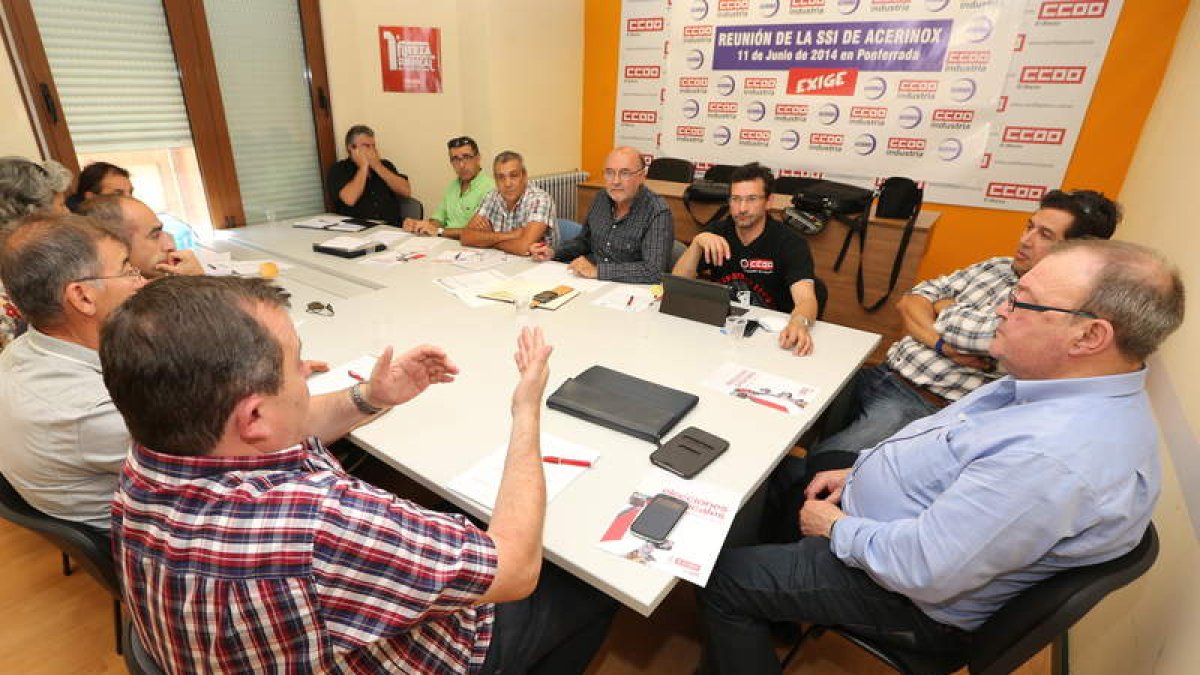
(695, 59)
(875, 88)
(1052, 74)
(790, 139)
(1030, 193)
(698, 10)
(691, 108)
(726, 85)
(756, 111)
(828, 114)
(910, 117)
(1073, 9)
(950, 149)
(721, 135)
(865, 144)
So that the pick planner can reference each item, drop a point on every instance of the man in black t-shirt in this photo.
(365, 186)
(750, 251)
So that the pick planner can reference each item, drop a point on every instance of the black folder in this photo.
(623, 403)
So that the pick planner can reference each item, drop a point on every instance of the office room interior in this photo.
(540, 77)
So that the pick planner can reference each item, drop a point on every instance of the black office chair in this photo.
(87, 545)
(137, 660)
(411, 208)
(671, 169)
(1020, 629)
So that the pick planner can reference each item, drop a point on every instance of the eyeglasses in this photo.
(319, 308)
(623, 174)
(127, 273)
(747, 199)
(1014, 304)
(459, 142)
(459, 159)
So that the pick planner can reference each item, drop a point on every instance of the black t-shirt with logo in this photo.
(767, 267)
(377, 202)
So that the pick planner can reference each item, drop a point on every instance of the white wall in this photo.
(1127, 632)
(16, 135)
(511, 77)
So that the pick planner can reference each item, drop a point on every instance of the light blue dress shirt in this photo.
(964, 509)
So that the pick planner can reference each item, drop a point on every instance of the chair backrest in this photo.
(411, 208)
(87, 545)
(1033, 619)
(137, 660)
(672, 169)
(568, 229)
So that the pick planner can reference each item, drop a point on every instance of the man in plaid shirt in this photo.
(949, 322)
(628, 233)
(516, 215)
(244, 547)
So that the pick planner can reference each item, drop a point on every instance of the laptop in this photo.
(698, 300)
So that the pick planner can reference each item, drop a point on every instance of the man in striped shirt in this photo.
(244, 547)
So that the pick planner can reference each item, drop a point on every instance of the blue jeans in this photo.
(883, 405)
(804, 582)
(557, 629)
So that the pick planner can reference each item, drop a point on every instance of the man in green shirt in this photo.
(462, 196)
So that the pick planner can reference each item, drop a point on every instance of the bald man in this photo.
(628, 233)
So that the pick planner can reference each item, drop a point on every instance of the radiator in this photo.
(562, 187)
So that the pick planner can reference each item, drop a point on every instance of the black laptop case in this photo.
(623, 403)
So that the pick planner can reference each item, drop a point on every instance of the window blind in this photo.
(115, 71)
(259, 51)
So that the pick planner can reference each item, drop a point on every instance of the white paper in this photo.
(339, 377)
(473, 282)
(344, 243)
(770, 391)
(215, 263)
(473, 259)
(388, 237)
(550, 274)
(627, 299)
(418, 245)
(319, 222)
(692, 547)
(481, 482)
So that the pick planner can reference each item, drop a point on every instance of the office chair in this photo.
(411, 208)
(90, 547)
(671, 169)
(1037, 617)
(568, 229)
(137, 660)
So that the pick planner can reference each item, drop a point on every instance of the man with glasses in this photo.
(628, 233)
(64, 441)
(1052, 467)
(461, 198)
(514, 216)
(950, 322)
(151, 249)
(364, 185)
(750, 251)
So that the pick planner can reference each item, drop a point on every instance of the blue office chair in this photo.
(90, 547)
(568, 229)
(1027, 623)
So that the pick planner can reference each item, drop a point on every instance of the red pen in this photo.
(568, 462)
(356, 376)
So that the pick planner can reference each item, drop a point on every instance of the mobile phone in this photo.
(751, 326)
(658, 518)
(544, 297)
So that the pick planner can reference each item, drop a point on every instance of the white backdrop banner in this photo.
(980, 100)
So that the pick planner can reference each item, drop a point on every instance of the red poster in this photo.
(411, 59)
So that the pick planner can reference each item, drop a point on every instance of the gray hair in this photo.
(41, 254)
(28, 187)
(108, 212)
(1138, 291)
(358, 130)
(508, 156)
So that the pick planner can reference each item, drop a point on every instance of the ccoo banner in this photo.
(981, 100)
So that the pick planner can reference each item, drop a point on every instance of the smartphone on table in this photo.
(658, 518)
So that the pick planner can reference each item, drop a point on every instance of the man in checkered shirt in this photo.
(949, 323)
(244, 547)
(628, 234)
(516, 215)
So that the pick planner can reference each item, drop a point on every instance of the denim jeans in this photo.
(557, 629)
(804, 582)
(883, 405)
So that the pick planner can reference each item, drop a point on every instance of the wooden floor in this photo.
(56, 625)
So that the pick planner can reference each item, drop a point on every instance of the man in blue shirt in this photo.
(934, 529)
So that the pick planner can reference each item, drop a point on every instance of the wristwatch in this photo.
(804, 320)
(360, 401)
(441, 230)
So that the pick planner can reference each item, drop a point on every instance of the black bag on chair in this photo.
(898, 197)
(832, 198)
(712, 189)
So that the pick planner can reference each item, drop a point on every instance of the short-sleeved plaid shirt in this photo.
(283, 563)
(535, 206)
(968, 325)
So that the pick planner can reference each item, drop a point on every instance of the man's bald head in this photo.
(624, 174)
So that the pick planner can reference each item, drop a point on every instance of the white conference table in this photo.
(450, 427)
